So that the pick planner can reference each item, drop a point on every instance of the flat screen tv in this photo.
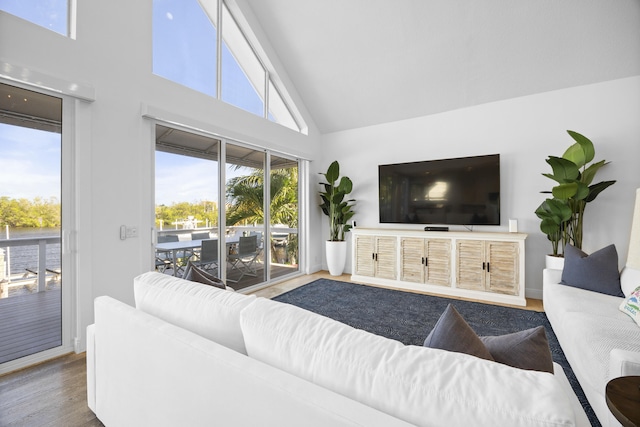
(460, 191)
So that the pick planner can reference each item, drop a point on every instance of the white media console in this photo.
(479, 265)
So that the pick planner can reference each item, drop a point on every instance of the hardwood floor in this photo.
(54, 393)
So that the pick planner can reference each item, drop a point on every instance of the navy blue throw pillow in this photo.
(597, 272)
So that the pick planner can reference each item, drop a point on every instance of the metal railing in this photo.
(42, 243)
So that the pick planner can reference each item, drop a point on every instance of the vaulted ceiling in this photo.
(358, 63)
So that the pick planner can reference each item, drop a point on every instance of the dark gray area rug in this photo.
(409, 317)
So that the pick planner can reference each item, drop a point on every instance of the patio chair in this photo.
(204, 235)
(208, 255)
(259, 243)
(161, 257)
(243, 261)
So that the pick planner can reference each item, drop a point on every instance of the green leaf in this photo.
(582, 152)
(582, 192)
(549, 227)
(565, 191)
(590, 173)
(333, 172)
(559, 209)
(345, 185)
(598, 188)
(563, 170)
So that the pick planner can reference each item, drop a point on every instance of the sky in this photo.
(29, 163)
(181, 30)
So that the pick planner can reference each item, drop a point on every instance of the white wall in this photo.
(524, 131)
(112, 54)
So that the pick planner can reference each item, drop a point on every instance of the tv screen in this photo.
(460, 191)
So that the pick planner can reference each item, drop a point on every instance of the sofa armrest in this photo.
(551, 276)
(623, 363)
(91, 367)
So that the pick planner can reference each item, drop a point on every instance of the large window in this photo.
(190, 48)
(50, 14)
(253, 242)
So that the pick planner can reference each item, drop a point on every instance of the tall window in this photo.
(184, 44)
(50, 14)
(186, 39)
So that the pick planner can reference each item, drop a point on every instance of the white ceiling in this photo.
(357, 63)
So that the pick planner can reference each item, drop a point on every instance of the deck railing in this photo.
(42, 243)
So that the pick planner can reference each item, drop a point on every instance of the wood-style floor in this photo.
(30, 324)
(54, 393)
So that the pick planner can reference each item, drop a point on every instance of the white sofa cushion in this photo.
(629, 280)
(561, 299)
(591, 340)
(420, 385)
(205, 310)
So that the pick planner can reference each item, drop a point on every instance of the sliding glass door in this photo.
(31, 276)
(283, 218)
(187, 201)
(247, 202)
(245, 215)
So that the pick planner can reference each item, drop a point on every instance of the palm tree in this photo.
(245, 198)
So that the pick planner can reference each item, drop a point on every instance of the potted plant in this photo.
(562, 216)
(339, 212)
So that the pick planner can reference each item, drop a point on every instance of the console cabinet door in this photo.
(365, 255)
(502, 268)
(425, 261)
(437, 262)
(412, 259)
(488, 266)
(469, 265)
(385, 257)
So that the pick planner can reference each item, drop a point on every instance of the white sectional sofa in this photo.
(600, 341)
(191, 354)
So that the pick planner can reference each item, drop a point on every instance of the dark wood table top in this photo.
(623, 399)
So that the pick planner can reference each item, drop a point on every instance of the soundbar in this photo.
(436, 229)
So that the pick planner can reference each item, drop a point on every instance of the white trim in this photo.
(72, 23)
(42, 81)
(205, 129)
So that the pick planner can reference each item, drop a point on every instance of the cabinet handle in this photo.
(422, 261)
(426, 261)
(488, 268)
(373, 256)
(376, 257)
(483, 266)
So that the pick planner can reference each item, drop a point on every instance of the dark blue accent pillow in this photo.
(453, 333)
(597, 272)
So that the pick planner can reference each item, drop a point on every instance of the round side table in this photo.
(623, 399)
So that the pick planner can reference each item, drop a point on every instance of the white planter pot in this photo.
(336, 257)
(554, 262)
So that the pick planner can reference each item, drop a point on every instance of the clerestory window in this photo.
(51, 14)
(190, 48)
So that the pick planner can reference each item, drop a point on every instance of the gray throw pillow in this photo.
(525, 349)
(196, 274)
(597, 272)
(453, 333)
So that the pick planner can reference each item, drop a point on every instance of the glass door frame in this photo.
(71, 334)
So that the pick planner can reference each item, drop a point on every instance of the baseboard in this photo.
(533, 293)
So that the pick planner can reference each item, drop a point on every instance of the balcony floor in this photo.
(30, 324)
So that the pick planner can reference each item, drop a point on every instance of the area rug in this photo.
(409, 317)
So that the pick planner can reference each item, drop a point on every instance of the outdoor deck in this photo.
(30, 324)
